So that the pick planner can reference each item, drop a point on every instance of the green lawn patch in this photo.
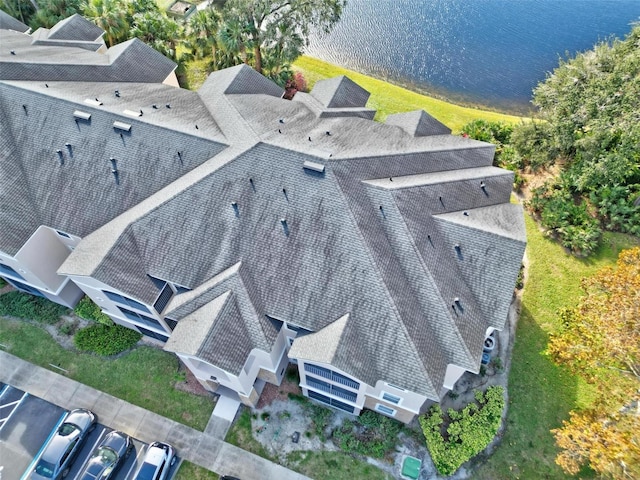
(333, 466)
(22, 305)
(541, 394)
(387, 98)
(241, 435)
(145, 376)
(190, 471)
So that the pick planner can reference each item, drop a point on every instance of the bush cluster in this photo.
(106, 340)
(467, 432)
(24, 305)
(90, 311)
(371, 434)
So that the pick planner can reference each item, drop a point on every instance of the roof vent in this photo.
(236, 210)
(313, 166)
(93, 101)
(132, 113)
(79, 115)
(60, 156)
(483, 186)
(309, 138)
(70, 148)
(281, 120)
(466, 214)
(328, 133)
(154, 106)
(285, 226)
(13, 52)
(197, 127)
(46, 85)
(279, 131)
(252, 184)
(168, 105)
(284, 191)
(24, 107)
(114, 165)
(180, 157)
(124, 127)
(117, 93)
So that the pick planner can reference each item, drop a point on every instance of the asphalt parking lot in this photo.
(26, 422)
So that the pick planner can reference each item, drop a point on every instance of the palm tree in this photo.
(111, 16)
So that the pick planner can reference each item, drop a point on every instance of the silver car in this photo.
(64, 445)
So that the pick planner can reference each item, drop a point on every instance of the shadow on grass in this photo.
(541, 394)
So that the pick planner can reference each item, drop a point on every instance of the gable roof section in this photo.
(7, 22)
(340, 92)
(131, 61)
(75, 27)
(54, 185)
(321, 346)
(418, 123)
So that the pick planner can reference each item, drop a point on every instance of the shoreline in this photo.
(387, 97)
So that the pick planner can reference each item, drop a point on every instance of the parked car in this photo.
(64, 445)
(228, 477)
(107, 457)
(157, 462)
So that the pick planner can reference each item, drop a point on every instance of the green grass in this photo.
(541, 394)
(189, 471)
(333, 466)
(144, 376)
(241, 435)
(387, 98)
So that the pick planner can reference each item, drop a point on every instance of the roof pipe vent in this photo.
(46, 85)
(180, 157)
(154, 106)
(483, 186)
(285, 226)
(60, 156)
(24, 107)
(70, 148)
(253, 185)
(168, 105)
(284, 191)
(13, 52)
(281, 120)
(114, 165)
(236, 210)
(117, 93)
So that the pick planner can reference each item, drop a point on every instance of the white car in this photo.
(157, 462)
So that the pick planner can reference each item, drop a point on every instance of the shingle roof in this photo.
(52, 187)
(7, 22)
(340, 92)
(418, 123)
(131, 61)
(75, 27)
(363, 253)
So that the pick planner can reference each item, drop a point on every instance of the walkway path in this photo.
(205, 449)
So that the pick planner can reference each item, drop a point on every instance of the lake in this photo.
(484, 52)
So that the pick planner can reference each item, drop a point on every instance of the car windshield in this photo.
(146, 472)
(45, 468)
(106, 455)
(67, 429)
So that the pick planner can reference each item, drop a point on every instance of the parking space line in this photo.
(4, 389)
(3, 421)
(37, 456)
(135, 464)
(91, 451)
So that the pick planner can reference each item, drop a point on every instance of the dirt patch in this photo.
(189, 383)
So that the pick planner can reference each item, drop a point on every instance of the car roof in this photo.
(155, 455)
(57, 446)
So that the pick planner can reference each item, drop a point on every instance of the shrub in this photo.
(68, 328)
(2, 282)
(467, 433)
(24, 305)
(90, 311)
(371, 434)
(106, 340)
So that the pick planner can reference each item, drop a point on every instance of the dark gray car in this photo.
(64, 445)
(107, 457)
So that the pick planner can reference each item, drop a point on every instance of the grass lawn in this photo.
(541, 394)
(144, 376)
(189, 471)
(333, 466)
(387, 98)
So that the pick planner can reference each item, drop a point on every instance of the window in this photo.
(172, 323)
(114, 297)
(25, 288)
(62, 234)
(163, 298)
(331, 402)
(7, 270)
(331, 375)
(390, 398)
(332, 389)
(386, 410)
(149, 333)
(138, 317)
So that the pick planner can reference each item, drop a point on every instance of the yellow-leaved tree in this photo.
(600, 340)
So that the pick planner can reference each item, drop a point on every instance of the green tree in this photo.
(271, 33)
(23, 10)
(111, 16)
(51, 12)
(158, 31)
(589, 108)
(601, 338)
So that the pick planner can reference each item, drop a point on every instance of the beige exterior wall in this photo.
(250, 400)
(172, 80)
(404, 416)
(452, 375)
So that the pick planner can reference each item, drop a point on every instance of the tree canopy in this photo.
(600, 340)
(590, 106)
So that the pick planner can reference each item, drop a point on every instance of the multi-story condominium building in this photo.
(245, 232)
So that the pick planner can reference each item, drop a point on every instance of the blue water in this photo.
(487, 52)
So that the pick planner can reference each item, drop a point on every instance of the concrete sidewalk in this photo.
(201, 448)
